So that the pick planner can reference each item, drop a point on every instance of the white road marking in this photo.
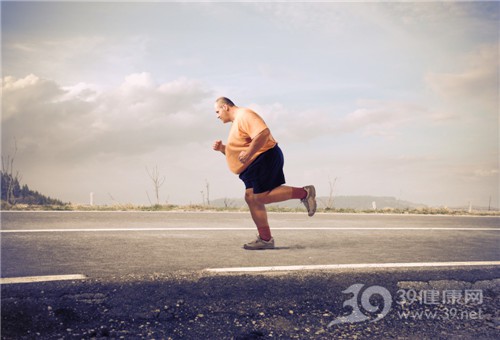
(233, 229)
(116, 229)
(31, 279)
(352, 266)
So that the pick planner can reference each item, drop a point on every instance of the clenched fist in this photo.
(218, 146)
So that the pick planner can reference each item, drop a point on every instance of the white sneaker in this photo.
(259, 244)
(310, 200)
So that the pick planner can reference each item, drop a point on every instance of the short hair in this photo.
(225, 100)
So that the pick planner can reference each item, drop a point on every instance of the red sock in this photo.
(299, 193)
(264, 232)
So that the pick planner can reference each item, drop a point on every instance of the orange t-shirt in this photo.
(246, 126)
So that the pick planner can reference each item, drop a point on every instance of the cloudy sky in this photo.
(392, 99)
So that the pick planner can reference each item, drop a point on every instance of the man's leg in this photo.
(259, 215)
(280, 194)
(307, 196)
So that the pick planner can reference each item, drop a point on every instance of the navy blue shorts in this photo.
(266, 171)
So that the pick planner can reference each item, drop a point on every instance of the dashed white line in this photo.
(45, 278)
(62, 230)
(351, 266)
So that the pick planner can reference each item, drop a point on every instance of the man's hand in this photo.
(243, 157)
(218, 146)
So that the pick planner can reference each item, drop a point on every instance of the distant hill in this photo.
(339, 202)
(14, 193)
(367, 202)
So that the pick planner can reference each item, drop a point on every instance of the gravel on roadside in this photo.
(258, 306)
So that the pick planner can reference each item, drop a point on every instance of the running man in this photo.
(253, 154)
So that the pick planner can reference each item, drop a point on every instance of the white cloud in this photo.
(476, 81)
(81, 91)
(63, 58)
(320, 17)
(382, 118)
(371, 118)
(137, 81)
(486, 172)
(10, 83)
(20, 95)
(136, 116)
(75, 138)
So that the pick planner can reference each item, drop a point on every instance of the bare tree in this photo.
(228, 203)
(9, 176)
(158, 181)
(113, 199)
(205, 194)
(202, 197)
(331, 199)
(149, 199)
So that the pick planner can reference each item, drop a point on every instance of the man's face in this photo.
(222, 111)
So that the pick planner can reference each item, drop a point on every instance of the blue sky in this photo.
(392, 99)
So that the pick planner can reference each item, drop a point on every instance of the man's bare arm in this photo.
(257, 143)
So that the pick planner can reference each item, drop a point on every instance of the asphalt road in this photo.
(146, 276)
(121, 243)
